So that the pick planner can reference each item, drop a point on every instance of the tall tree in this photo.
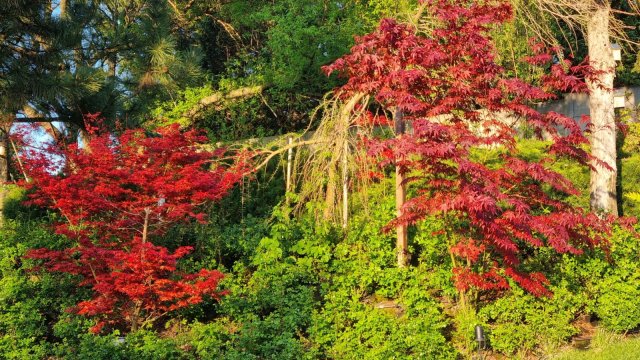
(603, 191)
(115, 57)
(597, 21)
(448, 85)
(29, 39)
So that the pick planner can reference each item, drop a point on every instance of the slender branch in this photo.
(145, 228)
(282, 150)
(15, 151)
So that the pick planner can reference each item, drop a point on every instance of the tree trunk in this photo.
(330, 196)
(85, 139)
(289, 164)
(63, 8)
(4, 172)
(401, 194)
(345, 185)
(603, 137)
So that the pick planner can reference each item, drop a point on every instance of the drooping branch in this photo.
(325, 159)
(267, 155)
(575, 14)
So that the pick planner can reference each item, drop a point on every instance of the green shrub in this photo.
(618, 307)
(608, 282)
(271, 296)
(30, 301)
(147, 345)
(617, 284)
(519, 322)
(373, 310)
(79, 344)
(630, 175)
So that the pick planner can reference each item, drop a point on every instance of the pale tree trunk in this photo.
(85, 139)
(402, 243)
(63, 8)
(603, 137)
(345, 185)
(289, 164)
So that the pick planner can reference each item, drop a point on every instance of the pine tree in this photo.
(60, 60)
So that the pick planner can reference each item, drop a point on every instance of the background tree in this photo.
(27, 31)
(598, 21)
(62, 59)
(114, 57)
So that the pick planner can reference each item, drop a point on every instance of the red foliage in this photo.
(117, 195)
(449, 85)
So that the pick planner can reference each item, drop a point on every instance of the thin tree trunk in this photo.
(289, 164)
(4, 172)
(145, 226)
(85, 139)
(63, 8)
(401, 194)
(330, 196)
(345, 184)
(603, 137)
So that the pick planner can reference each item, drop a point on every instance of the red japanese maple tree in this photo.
(447, 83)
(116, 196)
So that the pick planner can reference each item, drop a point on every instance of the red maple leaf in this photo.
(449, 85)
(117, 195)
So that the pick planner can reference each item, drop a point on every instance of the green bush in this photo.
(618, 307)
(630, 175)
(608, 281)
(373, 310)
(519, 322)
(617, 284)
(271, 297)
(30, 301)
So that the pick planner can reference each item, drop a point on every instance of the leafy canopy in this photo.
(447, 83)
(116, 196)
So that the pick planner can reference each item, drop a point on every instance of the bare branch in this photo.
(219, 97)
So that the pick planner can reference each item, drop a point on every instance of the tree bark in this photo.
(63, 8)
(330, 196)
(85, 139)
(603, 137)
(4, 172)
(402, 242)
(216, 98)
(345, 185)
(289, 164)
